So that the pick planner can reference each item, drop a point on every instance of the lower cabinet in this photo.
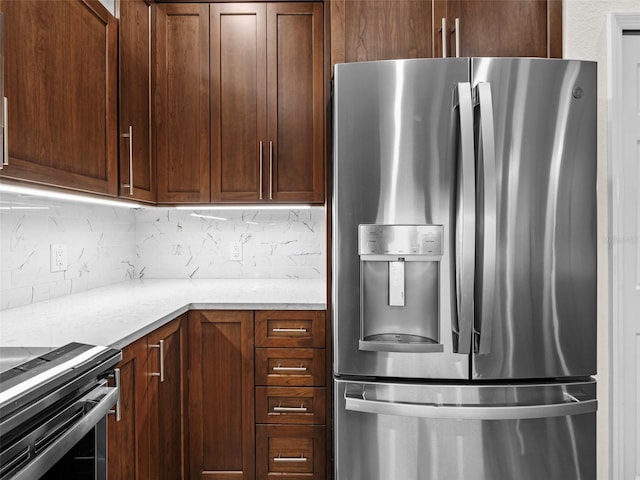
(148, 441)
(257, 412)
(221, 418)
(290, 452)
(290, 395)
(224, 395)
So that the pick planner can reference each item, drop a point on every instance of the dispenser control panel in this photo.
(399, 240)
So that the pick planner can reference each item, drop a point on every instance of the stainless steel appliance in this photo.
(53, 411)
(464, 269)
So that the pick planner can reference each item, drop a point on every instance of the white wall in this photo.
(585, 38)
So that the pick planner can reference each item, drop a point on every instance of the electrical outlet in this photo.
(58, 257)
(235, 251)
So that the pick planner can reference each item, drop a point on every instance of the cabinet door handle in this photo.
(118, 410)
(289, 330)
(456, 29)
(299, 459)
(160, 347)
(270, 170)
(5, 133)
(443, 32)
(289, 369)
(261, 162)
(301, 408)
(130, 137)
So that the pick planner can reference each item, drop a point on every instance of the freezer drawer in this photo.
(465, 432)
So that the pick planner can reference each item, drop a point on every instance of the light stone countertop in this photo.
(119, 314)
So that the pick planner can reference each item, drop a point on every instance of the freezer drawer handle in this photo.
(453, 412)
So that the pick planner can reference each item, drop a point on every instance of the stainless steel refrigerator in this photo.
(464, 269)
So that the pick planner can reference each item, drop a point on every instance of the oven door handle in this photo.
(101, 399)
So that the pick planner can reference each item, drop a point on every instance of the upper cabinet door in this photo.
(181, 134)
(505, 28)
(267, 102)
(382, 30)
(238, 103)
(136, 166)
(295, 102)
(61, 84)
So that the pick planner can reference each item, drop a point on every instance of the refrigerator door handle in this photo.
(571, 406)
(465, 220)
(487, 197)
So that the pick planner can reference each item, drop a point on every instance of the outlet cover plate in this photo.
(58, 257)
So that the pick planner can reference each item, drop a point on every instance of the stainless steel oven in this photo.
(53, 412)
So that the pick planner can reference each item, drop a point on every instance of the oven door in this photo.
(71, 442)
(417, 431)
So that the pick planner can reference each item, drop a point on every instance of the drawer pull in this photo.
(290, 330)
(300, 459)
(301, 408)
(289, 369)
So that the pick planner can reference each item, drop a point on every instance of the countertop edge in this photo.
(160, 322)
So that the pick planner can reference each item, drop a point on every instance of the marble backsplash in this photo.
(108, 244)
(286, 243)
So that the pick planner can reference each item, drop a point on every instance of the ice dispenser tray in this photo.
(400, 287)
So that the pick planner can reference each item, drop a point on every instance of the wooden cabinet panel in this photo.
(267, 102)
(148, 442)
(295, 81)
(379, 30)
(290, 366)
(502, 28)
(238, 104)
(128, 441)
(221, 394)
(387, 29)
(167, 401)
(181, 93)
(61, 82)
(135, 100)
(291, 405)
(290, 328)
(290, 452)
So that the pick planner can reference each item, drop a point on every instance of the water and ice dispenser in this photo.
(400, 287)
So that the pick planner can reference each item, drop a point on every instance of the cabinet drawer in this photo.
(290, 328)
(295, 405)
(290, 452)
(290, 366)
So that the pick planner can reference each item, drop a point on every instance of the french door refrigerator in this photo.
(464, 269)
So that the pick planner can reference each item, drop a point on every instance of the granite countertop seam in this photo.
(119, 314)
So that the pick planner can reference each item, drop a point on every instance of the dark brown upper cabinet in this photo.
(61, 84)
(137, 172)
(181, 103)
(267, 102)
(501, 28)
(239, 102)
(389, 29)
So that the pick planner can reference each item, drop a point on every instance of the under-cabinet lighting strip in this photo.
(244, 207)
(74, 197)
(78, 197)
